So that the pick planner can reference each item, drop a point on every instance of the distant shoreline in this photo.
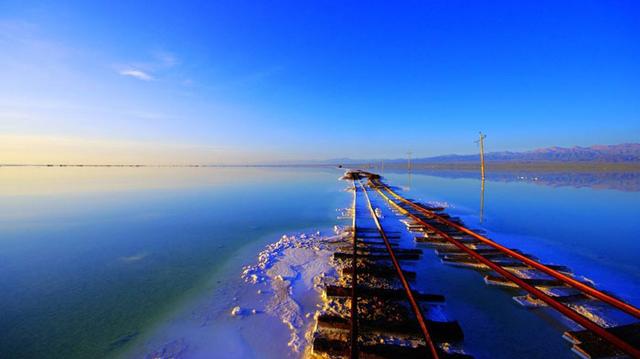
(496, 166)
(499, 166)
(159, 165)
(519, 166)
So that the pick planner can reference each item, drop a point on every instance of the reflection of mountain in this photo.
(627, 152)
(621, 181)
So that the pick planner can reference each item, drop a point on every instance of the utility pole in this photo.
(481, 142)
(409, 160)
(381, 166)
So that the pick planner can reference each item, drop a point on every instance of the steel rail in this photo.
(571, 314)
(617, 303)
(354, 282)
(414, 304)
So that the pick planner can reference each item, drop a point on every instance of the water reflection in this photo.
(621, 181)
(91, 259)
(481, 199)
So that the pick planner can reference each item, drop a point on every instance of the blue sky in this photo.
(237, 81)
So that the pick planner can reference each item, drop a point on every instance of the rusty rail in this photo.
(617, 303)
(414, 304)
(573, 315)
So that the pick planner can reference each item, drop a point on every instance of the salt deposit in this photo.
(294, 269)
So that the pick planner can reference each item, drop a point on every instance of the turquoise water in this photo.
(91, 260)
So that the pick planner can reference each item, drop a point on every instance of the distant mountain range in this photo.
(622, 153)
(626, 152)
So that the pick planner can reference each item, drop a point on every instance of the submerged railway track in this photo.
(386, 317)
(508, 265)
(374, 253)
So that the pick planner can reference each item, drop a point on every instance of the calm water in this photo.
(593, 231)
(93, 259)
(90, 258)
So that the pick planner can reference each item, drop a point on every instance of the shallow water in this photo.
(109, 262)
(91, 259)
(592, 230)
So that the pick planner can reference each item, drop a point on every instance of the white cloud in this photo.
(160, 63)
(140, 75)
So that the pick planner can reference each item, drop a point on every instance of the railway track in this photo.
(545, 284)
(373, 312)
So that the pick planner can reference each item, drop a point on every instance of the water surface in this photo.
(94, 262)
(590, 228)
(91, 258)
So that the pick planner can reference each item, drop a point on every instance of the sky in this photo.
(225, 82)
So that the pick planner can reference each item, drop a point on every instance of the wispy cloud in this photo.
(138, 74)
(159, 64)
